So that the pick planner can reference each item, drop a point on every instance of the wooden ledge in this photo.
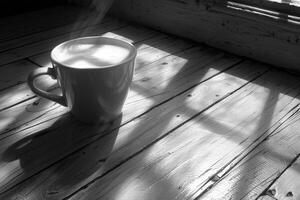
(267, 38)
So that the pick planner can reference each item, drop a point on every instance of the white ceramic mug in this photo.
(93, 93)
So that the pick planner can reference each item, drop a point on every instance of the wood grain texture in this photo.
(179, 164)
(287, 186)
(193, 163)
(283, 7)
(258, 37)
(257, 168)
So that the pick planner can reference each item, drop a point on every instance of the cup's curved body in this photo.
(93, 94)
(96, 94)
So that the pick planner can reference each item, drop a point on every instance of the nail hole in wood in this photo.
(215, 178)
(271, 192)
(289, 194)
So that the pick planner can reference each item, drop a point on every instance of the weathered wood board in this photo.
(177, 165)
(288, 184)
(265, 39)
(272, 159)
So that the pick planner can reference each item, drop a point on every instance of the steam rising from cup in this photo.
(84, 24)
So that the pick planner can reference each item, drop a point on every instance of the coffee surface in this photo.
(86, 54)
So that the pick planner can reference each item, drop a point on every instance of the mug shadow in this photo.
(61, 141)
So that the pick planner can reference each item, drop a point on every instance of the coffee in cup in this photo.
(94, 74)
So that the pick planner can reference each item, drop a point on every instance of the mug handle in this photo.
(44, 71)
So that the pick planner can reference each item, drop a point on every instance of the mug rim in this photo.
(134, 53)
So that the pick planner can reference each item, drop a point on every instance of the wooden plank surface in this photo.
(197, 124)
(258, 167)
(155, 118)
(176, 166)
(141, 105)
(288, 184)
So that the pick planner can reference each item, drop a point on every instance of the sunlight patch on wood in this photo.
(131, 189)
(6, 166)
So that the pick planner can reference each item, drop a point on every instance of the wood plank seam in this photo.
(293, 116)
(15, 104)
(33, 62)
(265, 192)
(221, 174)
(18, 83)
(267, 189)
(28, 127)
